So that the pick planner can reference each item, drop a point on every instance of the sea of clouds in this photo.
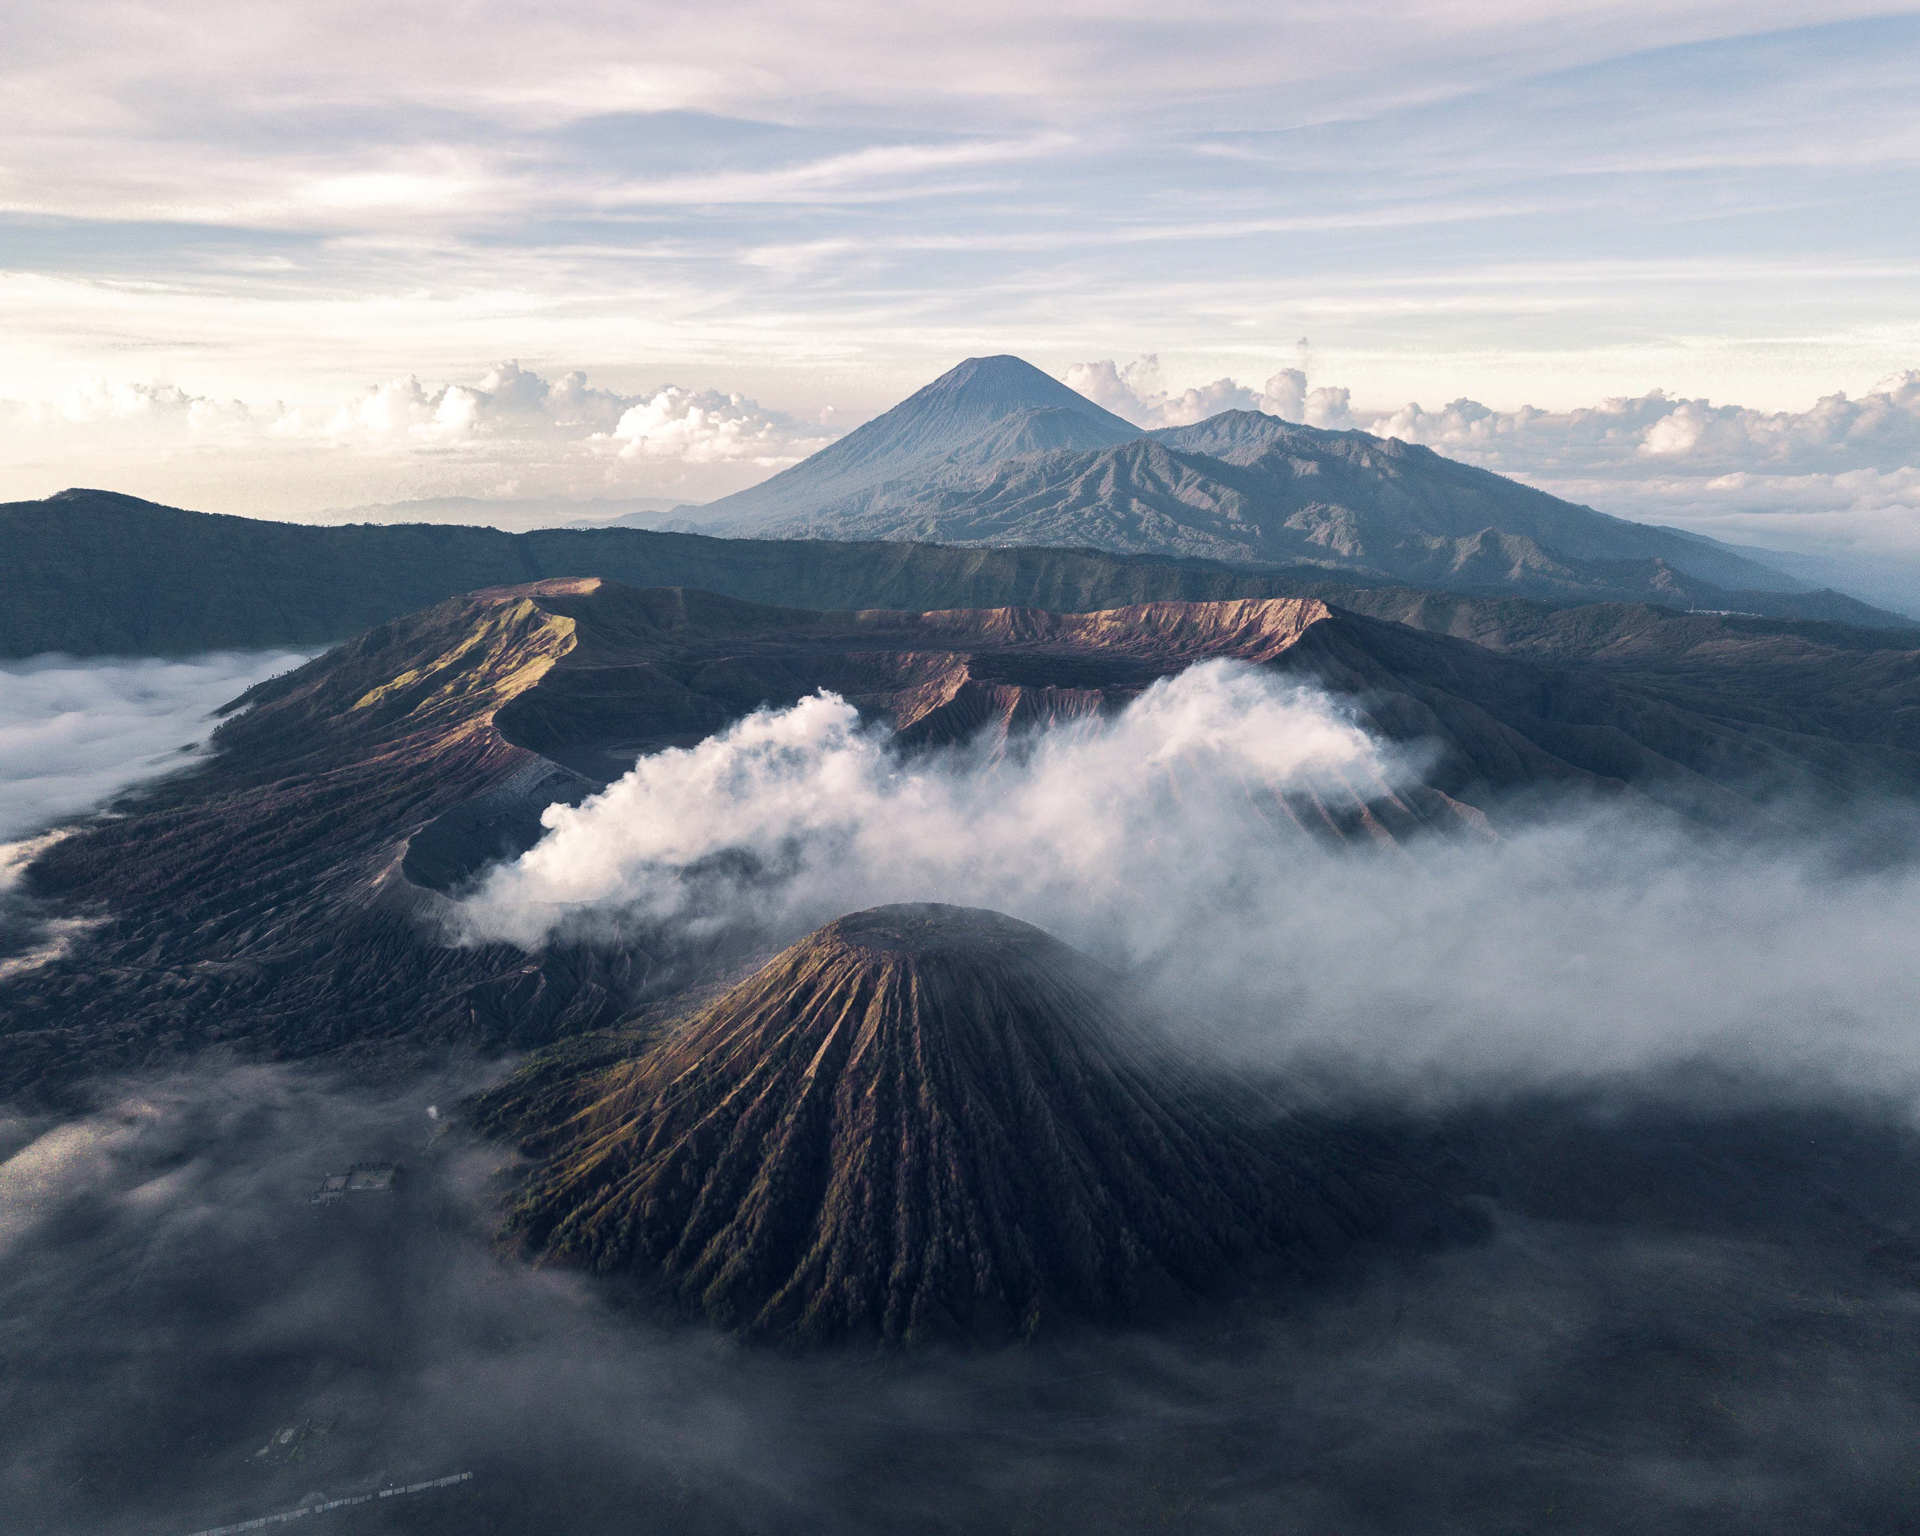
(76, 734)
(176, 1304)
(73, 734)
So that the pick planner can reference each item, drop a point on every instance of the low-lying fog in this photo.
(189, 1341)
(75, 733)
(1682, 1071)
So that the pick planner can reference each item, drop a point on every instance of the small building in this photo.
(359, 1179)
(371, 1178)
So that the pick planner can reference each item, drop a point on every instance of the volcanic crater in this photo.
(932, 1122)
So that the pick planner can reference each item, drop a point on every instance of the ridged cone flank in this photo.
(931, 1121)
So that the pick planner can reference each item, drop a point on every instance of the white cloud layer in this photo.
(1136, 393)
(1879, 431)
(703, 426)
(73, 734)
(99, 402)
(510, 432)
(512, 405)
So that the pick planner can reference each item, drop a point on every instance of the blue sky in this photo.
(229, 238)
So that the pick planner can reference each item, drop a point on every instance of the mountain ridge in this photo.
(284, 894)
(1246, 487)
(102, 573)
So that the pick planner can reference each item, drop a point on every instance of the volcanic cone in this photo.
(928, 1121)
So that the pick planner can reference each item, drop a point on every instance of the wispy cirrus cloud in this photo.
(1536, 208)
(823, 203)
(881, 172)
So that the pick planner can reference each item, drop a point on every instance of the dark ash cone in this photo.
(931, 1121)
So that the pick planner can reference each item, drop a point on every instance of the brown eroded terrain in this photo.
(284, 894)
(926, 1122)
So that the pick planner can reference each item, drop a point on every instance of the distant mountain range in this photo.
(512, 514)
(995, 452)
(96, 573)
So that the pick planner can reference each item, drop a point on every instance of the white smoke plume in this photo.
(1577, 948)
(796, 815)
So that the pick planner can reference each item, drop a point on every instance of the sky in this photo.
(1634, 252)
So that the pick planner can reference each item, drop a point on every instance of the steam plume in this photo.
(1579, 946)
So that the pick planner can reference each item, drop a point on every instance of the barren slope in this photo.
(929, 1121)
(284, 894)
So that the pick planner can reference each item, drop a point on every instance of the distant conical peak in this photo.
(948, 414)
(998, 365)
(1008, 380)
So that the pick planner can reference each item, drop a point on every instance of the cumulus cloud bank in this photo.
(513, 405)
(1878, 431)
(510, 429)
(1136, 392)
(1578, 948)
(99, 401)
